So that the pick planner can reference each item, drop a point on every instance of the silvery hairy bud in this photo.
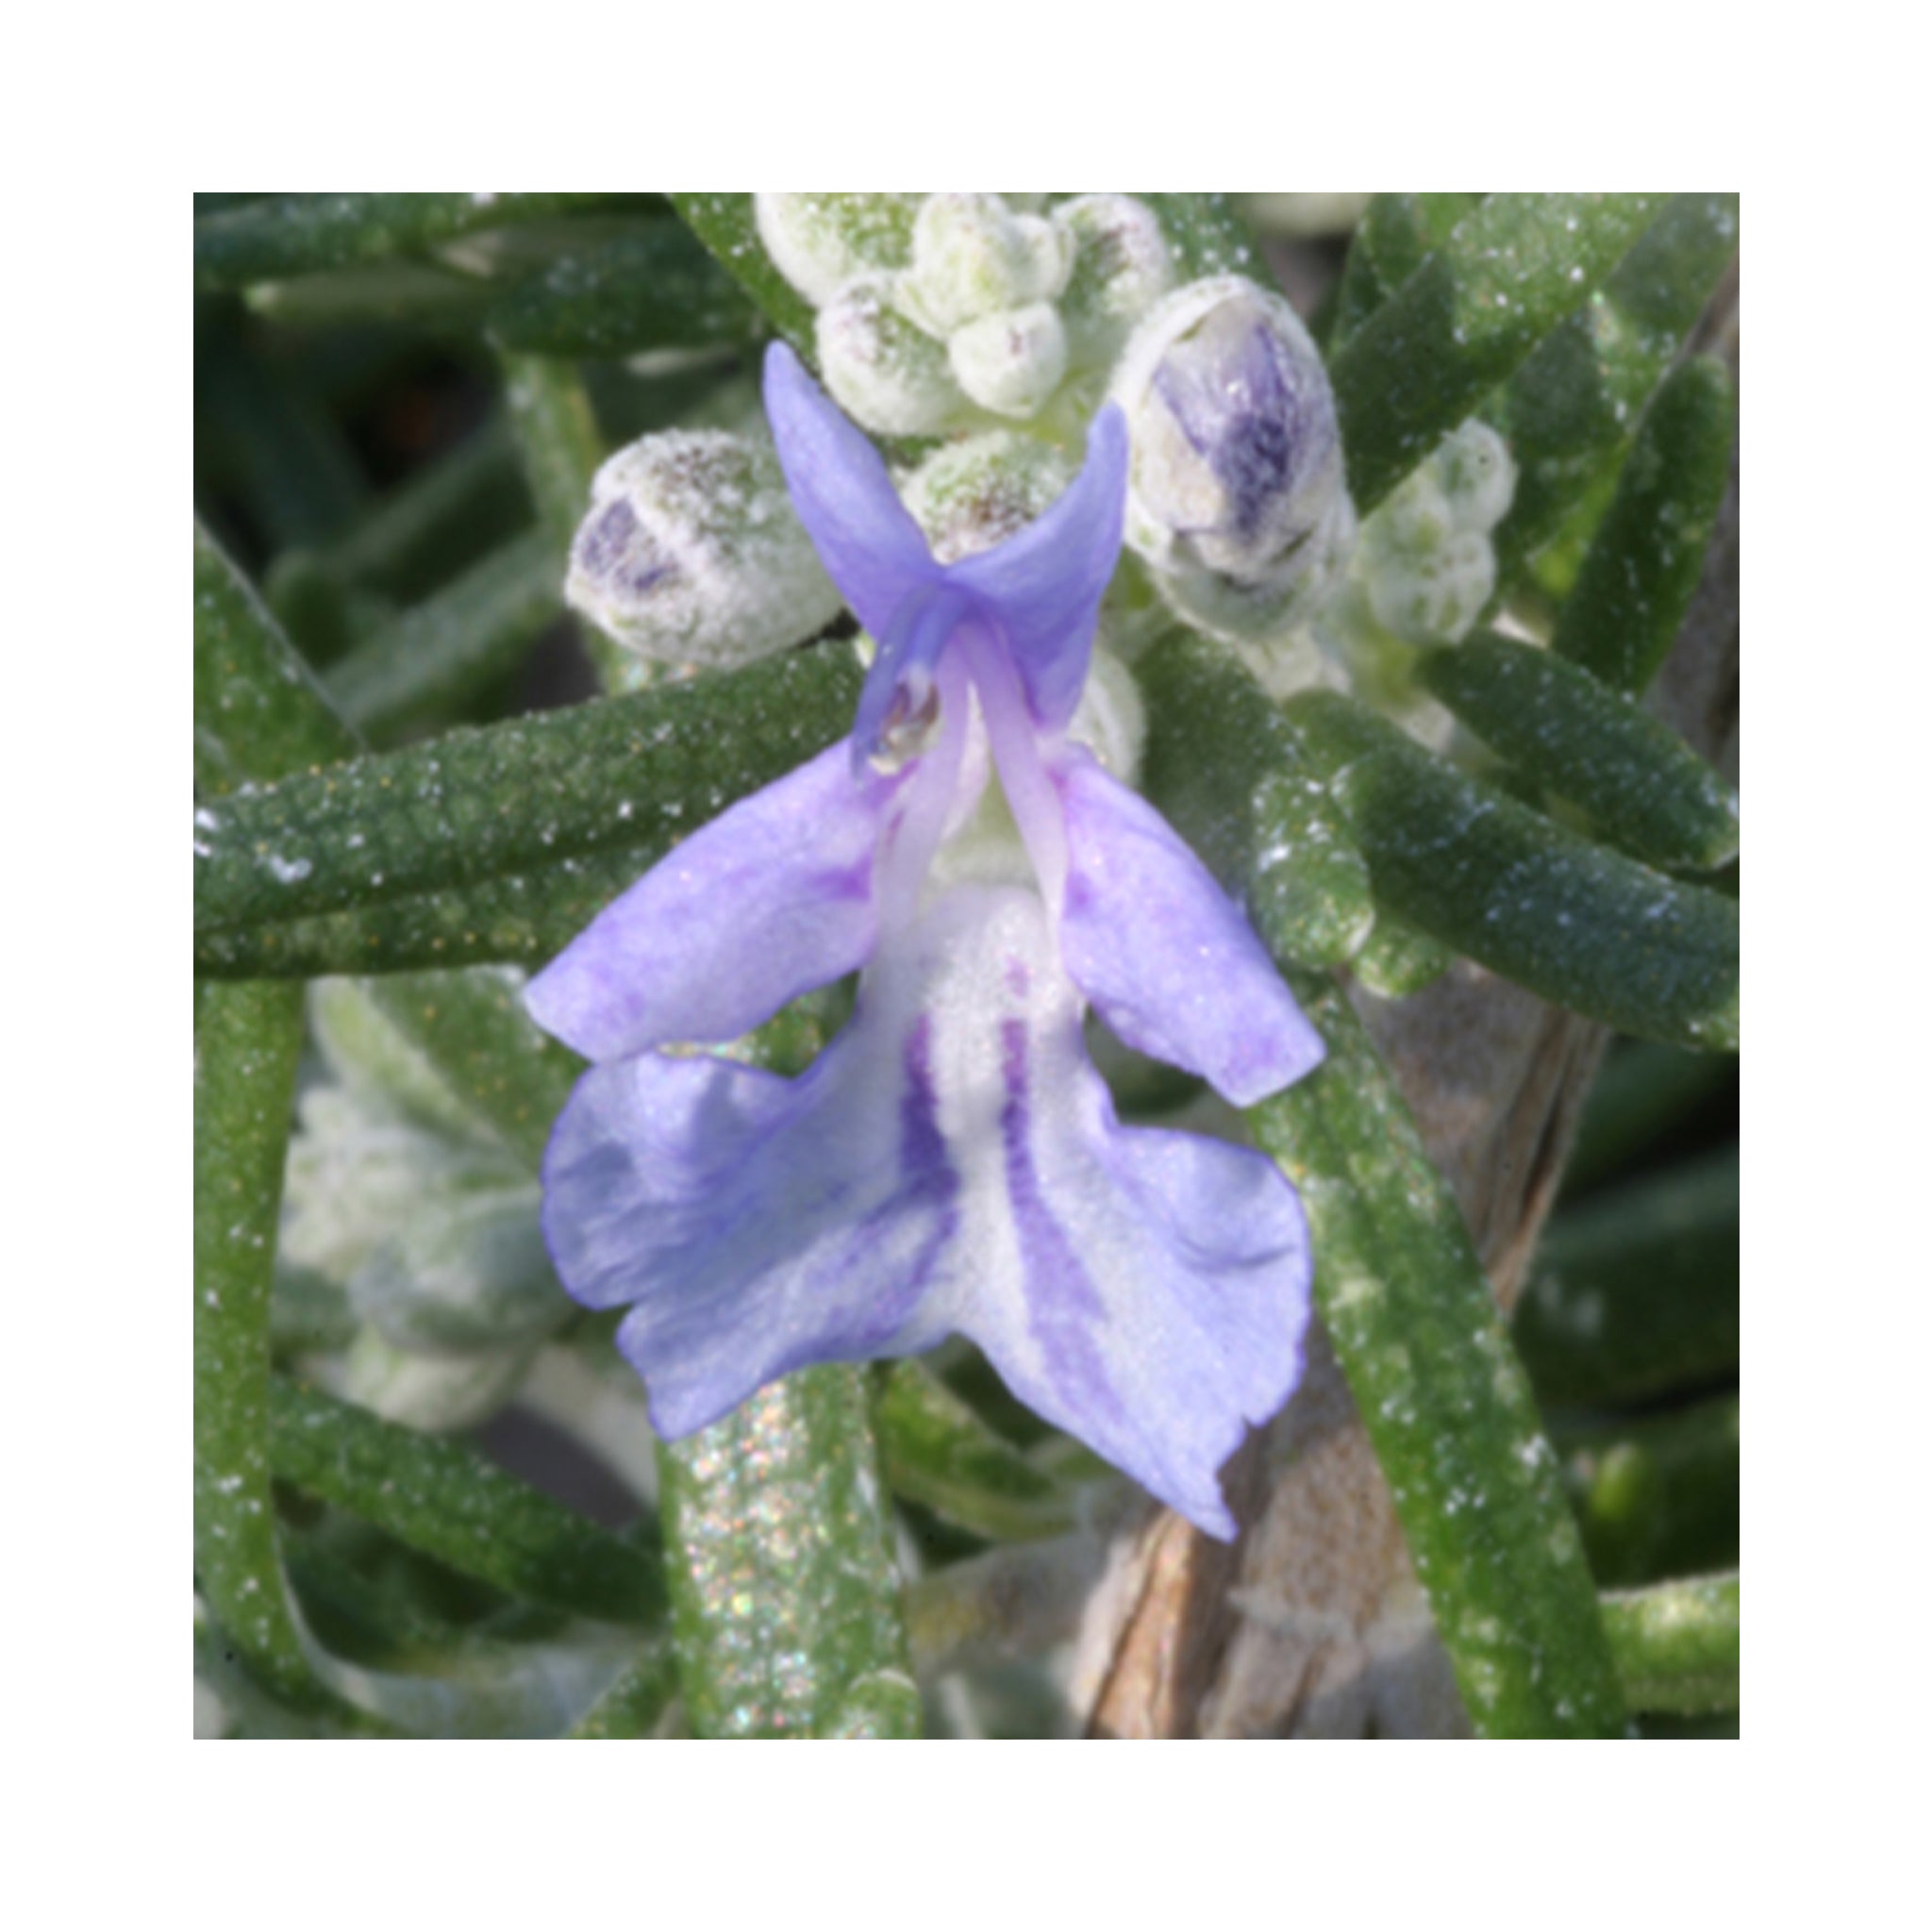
(820, 241)
(691, 554)
(1235, 493)
(1426, 557)
(884, 369)
(1120, 268)
(970, 496)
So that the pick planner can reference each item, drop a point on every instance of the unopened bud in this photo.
(970, 496)
(1012, 361)
(819, 242)
(1235, 491)
(693, 555)
(883, 370)
(1426, 557)
(1120, 268)
(972, 256)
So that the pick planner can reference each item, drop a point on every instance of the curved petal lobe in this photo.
(1046, 581)
(1163, 953)
(864, 536)
(771, 899)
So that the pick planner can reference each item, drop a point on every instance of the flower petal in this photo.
(772, 898)
(952, 1163)
(758, 1224)
(1046, 581)
(1146, 1290)
(1163, 953)
(864, 536)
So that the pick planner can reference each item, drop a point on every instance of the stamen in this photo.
(910, 724)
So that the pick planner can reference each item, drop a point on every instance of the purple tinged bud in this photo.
(1237, 494)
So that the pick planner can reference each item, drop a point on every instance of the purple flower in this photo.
(952, 1164)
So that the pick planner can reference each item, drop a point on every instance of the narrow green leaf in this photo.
(727, 226)
(1393, 237)
(1207, 237)
(652, 288)
(1232, 775)
(1572, 407)
(260, 432)
(251, 1710)
(1398, 961)
(1677, 1644)
(1641, 1091)
(473, 1028)
(1657, 1497)
(1582, 926)
(1647, 792)
(1442, 1395)
(441, 653)
(246, 1042)
(1635, 1291)
(782, 1581)
(443, 1498)
(302, 234)
(1467, 319)
(1643, 567)
(618, 779)
(454, 510)
(635, 1705)
(257, 709)
(420, 297)
(937, 1451)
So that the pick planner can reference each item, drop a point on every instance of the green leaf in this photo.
(1467, 319)
(1677, 1644)
(1396, 233)
(1642, 566)
(635, 1705)
(1207, 237)
(782, 1582)
(439, 655)
(727, 226)
(654, 287)
(1442, 1395)
(473, 1030)
(257, 709)
(454, 510)
(1647, 792)
(1657, 1497)
(1641, 1091)
(937, 1453)
(445, 1499)
(1635, 1291)
(1232, 775)
(1569, 411)
(1398, 961)
(302, 234)
(1582, 926)
(246, 1042)
(476, 845)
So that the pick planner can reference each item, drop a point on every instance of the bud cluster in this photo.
(939, 313)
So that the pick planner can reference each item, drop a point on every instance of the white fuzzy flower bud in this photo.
(818, 242)
(883, 370)
(1426, 559)
(1235, 491)
(693, 555)
(1010, 362)
(973, 257)
(970, 496)
(1121, 267)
